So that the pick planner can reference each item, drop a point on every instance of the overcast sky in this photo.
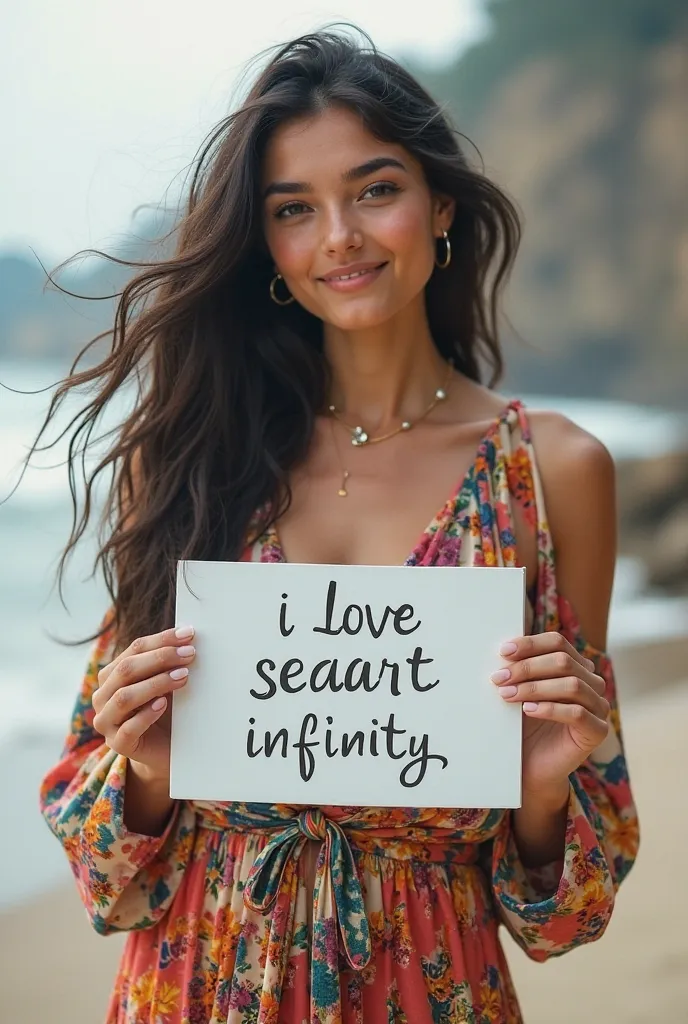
(105, 101)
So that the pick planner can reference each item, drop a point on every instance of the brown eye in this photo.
(290, 209)
(380, 189)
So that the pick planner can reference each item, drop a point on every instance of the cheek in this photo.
(406, 234)
(291, 249)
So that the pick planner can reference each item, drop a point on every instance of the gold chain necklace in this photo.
(360, 437)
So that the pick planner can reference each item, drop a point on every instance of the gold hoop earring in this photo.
(447, 253)
(273, 293)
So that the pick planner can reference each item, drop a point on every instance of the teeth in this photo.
(348, 277)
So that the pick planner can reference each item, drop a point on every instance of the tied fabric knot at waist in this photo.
(339, 915)
(340, 924)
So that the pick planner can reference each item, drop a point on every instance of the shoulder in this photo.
(575, 466)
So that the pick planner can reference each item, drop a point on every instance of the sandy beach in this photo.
(53, 967)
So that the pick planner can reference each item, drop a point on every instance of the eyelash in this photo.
(294, 206)
(389, 186)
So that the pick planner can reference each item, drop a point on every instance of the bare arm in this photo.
(577, 475)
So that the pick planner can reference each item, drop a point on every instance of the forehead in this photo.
(325, 145)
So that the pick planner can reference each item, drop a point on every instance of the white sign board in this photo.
(353, 685)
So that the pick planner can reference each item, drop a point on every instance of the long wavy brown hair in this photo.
(229, 383)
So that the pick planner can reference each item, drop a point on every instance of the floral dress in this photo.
(401, 924)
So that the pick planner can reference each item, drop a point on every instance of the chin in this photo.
(360, 319)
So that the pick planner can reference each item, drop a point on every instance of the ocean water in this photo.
(39, 677)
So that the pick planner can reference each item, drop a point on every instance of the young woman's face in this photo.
(350, 221)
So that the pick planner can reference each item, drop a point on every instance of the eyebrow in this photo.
(353, 174)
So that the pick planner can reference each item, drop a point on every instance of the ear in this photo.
(443, 210)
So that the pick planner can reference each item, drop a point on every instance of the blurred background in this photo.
(580, 111)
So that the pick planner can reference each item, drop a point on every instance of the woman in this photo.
(309, 371)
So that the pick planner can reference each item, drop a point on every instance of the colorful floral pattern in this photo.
(401, 925)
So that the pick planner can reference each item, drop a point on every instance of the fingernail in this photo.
(184, 632)
(186, 652)
(179, 673)
(509, 691)
(508, 648)
(530, 706)
(501, 676)
(159, 704)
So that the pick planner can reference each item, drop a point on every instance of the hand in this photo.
(566, 714)
(132, 708)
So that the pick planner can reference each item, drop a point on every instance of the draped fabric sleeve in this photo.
(126, 881)
(568, 903)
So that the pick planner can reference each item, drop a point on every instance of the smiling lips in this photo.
(348, 279)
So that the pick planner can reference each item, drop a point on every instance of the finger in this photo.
(137, 667)
(128, 699)
(536, 644)
(167, 638)
(127, 738)
(556, 665)
(567, 690)
(586, 729)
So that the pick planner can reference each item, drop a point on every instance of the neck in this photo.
(383, 374)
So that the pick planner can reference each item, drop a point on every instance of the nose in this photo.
(341, 233)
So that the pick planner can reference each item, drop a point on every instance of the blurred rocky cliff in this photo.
(580, 111)
(653, 517)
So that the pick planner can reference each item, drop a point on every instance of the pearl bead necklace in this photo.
(360, 437)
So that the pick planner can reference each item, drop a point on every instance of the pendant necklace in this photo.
(361, 437)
